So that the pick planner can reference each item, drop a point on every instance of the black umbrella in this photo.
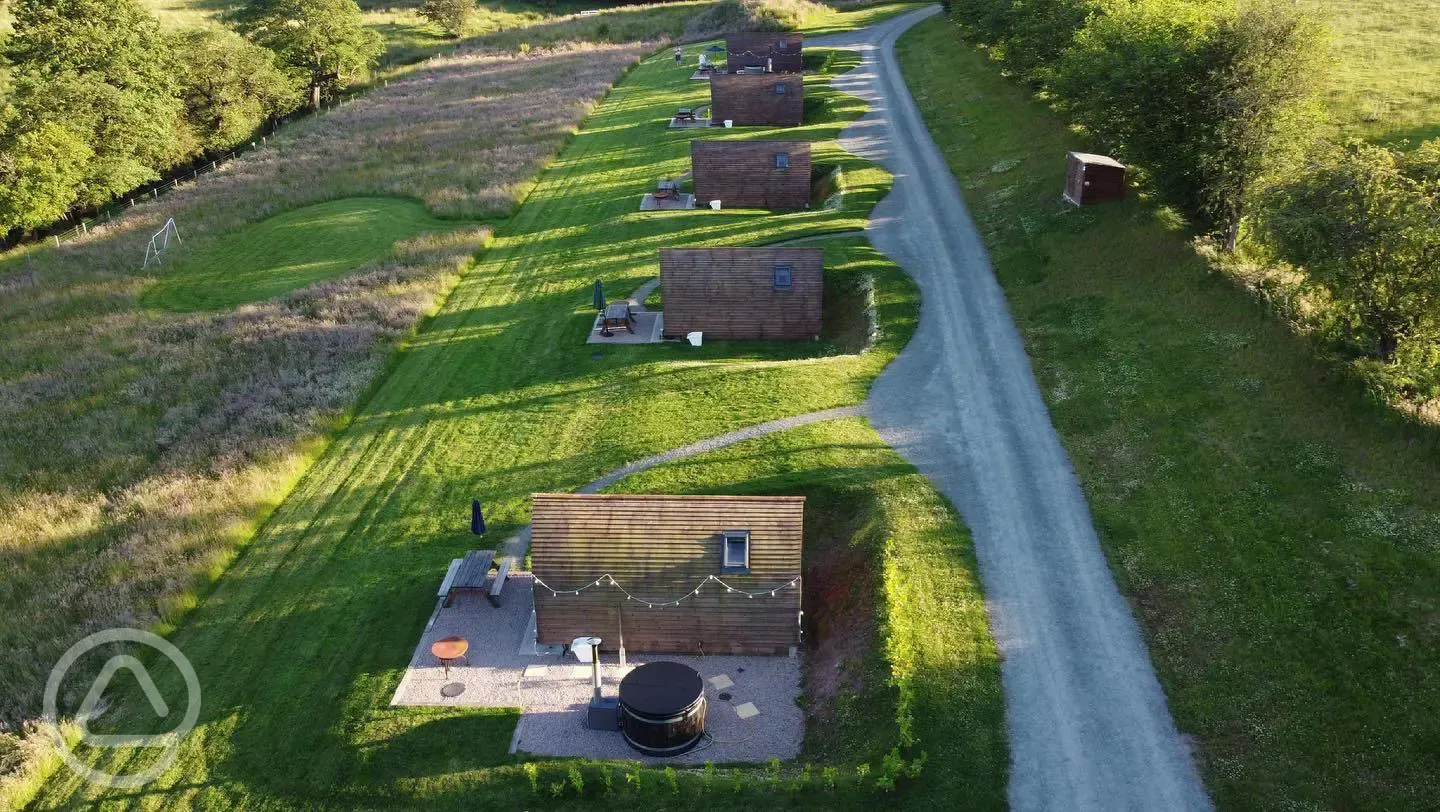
(599, 295)
(477, 520)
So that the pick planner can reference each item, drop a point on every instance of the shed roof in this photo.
(1091, 158)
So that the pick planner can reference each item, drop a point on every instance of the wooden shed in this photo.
(665, 554)
(748, 99)
(1093, 178)
(751, 174)
(781, 52)
(743, 293)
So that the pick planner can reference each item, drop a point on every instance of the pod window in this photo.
(737, 549)
(784, 277)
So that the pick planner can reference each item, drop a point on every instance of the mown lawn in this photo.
(288, 251)
(1275, 531)
(304, 639)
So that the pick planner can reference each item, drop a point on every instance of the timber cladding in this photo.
(756, 99)
(661, 548)
(734, 293)
(781, 52)
(750, 174)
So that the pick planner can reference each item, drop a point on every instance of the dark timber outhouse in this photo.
(1093, 178)
(743, 293)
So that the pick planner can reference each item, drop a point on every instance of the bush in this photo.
(1209, 101)
(733, 16)
(1364, 224)
(451, 15)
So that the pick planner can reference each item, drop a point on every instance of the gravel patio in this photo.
(758, 720)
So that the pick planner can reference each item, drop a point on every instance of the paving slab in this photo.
(552, 691)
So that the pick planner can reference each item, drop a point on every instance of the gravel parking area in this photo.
(507, 670)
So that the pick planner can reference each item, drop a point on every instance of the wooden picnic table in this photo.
(617, 314)
(685, 114)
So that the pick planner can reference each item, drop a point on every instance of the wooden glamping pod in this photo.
(662, 549)
(778, 52)
(749, 100)
(742, 293)
(1093, 178)
(751, 174)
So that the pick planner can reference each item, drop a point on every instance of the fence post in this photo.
(57, 240)
(83, 229)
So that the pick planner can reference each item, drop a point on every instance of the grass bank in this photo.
(496, 398)
(1274, 530)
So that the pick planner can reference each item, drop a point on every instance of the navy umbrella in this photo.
(599, 295)
(477, 520)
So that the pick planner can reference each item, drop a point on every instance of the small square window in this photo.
(784, 277)
(737, 549)
(782, 160)
(779, 88)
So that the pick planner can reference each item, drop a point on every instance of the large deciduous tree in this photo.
(1364, 224)
(230, 85)
(100, 71)
(326, 39)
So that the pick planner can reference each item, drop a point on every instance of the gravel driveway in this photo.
(1088, 723)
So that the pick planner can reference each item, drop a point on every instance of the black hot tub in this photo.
(662, 708)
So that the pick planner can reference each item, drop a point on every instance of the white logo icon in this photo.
(169, 742)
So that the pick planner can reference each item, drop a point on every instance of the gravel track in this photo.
(1088, 724)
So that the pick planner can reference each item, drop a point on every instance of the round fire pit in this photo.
(662, 708)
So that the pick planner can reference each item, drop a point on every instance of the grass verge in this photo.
(1274, 530)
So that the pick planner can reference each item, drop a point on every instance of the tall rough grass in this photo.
(139, 448)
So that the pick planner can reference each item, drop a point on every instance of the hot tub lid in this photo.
(661, 689)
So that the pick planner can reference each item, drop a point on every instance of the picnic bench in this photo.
(617, 314)
(667, 189)
(685, 114)
(472, 573)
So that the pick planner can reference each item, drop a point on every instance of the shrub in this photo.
(1208, 101)
(577, 780)
(1364, 224)
(451, 15)
(732, 16)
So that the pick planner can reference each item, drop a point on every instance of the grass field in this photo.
(498, 397)
(1386, 69)
(289, 251)
(138, 447)
(1275, 531)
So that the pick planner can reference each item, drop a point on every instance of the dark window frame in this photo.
(783, 276)
(782, 160)
(780, 89)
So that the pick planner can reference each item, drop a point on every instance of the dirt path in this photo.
(1088, 724)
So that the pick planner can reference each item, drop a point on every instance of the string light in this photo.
(651, 603)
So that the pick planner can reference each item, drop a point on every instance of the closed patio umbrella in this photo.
(599, 295)
(477, 520)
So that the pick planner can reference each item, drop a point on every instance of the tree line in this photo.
(1215, 103)
(102, 100)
